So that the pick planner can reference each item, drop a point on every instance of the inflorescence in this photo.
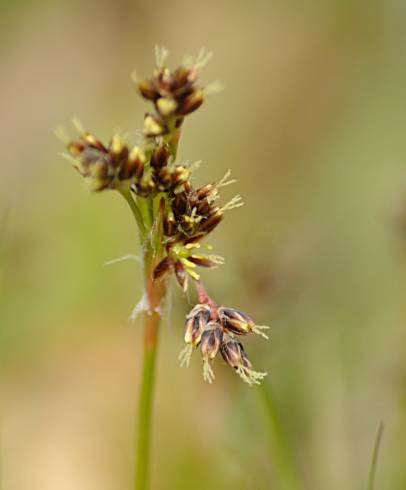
(162, 191)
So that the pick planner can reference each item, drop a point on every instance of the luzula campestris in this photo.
(173, 216)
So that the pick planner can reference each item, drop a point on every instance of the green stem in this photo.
(126, 193)
(155, 292)
(146, 401)
(144, 208)
(374, 461)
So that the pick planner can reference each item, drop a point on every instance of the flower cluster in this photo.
(173, 215)
(105, 167)
(215, 329)
(174, 93)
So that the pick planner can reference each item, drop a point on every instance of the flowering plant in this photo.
(173, 217)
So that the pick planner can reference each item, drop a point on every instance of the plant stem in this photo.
(150, 222)
(126, 193)
(151, 327)
(155, 292)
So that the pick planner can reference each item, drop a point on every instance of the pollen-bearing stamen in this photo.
(208, 373)
(250, 376)
(258, 329)
(185, 355)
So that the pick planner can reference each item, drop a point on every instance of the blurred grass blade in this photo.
(281, 451)
(374, 461)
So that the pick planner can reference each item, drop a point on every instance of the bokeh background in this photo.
(312, 122)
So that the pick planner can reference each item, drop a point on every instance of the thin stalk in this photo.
(151, 328)
(155, 292)
(374, 461)
(126, 193)
(144, 208)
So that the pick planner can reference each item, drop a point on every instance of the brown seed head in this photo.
(236, 321)
(233, 353)
(195, 324)
(212, 337)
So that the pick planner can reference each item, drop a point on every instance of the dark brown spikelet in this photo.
(233, 353)
(148, 90)
(165, 266)
(211, 340)
(194, 211)
(236, 321)
(154, 126)
(195, 323)
(106, 167)
(191, 102)
(93, 161)
(174, 94)
(160, 157)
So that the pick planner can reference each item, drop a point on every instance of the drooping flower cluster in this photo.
(169, 208)
(214, 329)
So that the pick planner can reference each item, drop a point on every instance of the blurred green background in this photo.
(312, 123)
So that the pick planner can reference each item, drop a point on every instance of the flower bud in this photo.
(134, 166)
(203, 207)
(195, 324)
(212, 221)
(93, 162)
(240, 323)
(212, 337)
(99, 176)
(145, 186)
(118, 151)
(233, 353)
(148, 90)
(191, 102)
(169, 224)
(163, 267)
(91, 141)
(169, 178)
(180, 175)
(236, 321)
(153, 126)
(205, 191)
(181, 76)
(159, 157)
(166, 106)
